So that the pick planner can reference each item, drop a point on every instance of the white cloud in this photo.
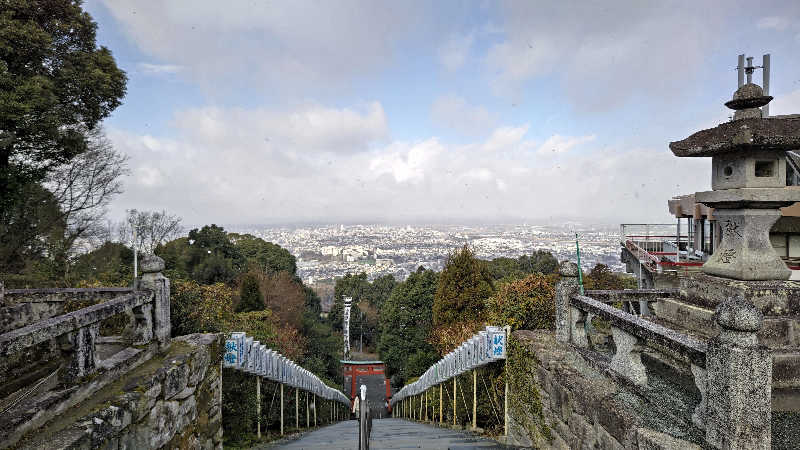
(773, 23)
(454, 51)
(285, 48)
(506, 138)
(556, 143)
(605, 52)
(311, 129)
(219, 169)
(158, 69)
(453, 112)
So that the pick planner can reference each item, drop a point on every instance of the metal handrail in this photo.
(364, 420)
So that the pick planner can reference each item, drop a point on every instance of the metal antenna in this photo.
(749, 69)
(765, 62)
(740, 70)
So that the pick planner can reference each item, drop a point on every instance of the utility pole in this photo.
(361, 338)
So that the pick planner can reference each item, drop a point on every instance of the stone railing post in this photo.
(566, 287)
(143, 324)
(153, 280)
(739, 380)
(79, 349)
(701, 381)
(627, 359)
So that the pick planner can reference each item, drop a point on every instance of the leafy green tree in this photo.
(380, 290)
(250, 298)
(25, 226)
(367, 300)
(527, 304)
(111, 264)
(207, 256)
(509, 269)
(601, 277)
(354, 286)
(196, 308)
(56, 84)
(464, 285)
(265, 256)
(405, 327)
(540, 261)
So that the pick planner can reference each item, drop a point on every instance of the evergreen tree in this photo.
(250, 298)
(464, 285)
(405, 327)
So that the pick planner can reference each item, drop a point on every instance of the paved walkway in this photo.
(390, 434)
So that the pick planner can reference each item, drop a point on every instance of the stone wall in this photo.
(170, 402)
(585, 408)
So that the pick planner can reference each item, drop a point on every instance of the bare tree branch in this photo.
(152, 229)
(85, 186)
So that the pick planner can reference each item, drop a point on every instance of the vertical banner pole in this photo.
(474, 399)
(455, 405)
(308, 413)
(258, 404)
(315, 409)
(580, 271)
(281, 409)
(505, 400)
(297, 408)
(441, 404)
(425, 416)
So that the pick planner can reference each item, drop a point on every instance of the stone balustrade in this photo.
(77, 332)
(634, 301)
(732, 371)
(58, 348)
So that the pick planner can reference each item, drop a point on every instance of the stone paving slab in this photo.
(389, 434)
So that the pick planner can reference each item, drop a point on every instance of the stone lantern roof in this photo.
(745, 135)
(748, 131)
(748, 182)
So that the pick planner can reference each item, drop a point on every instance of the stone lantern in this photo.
(748, 183)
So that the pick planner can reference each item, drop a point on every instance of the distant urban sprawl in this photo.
(326, 252)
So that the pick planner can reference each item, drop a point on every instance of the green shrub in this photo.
(527, 304)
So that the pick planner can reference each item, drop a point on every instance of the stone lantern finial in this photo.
(747, 102)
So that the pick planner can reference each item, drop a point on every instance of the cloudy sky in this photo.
(262, 112)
